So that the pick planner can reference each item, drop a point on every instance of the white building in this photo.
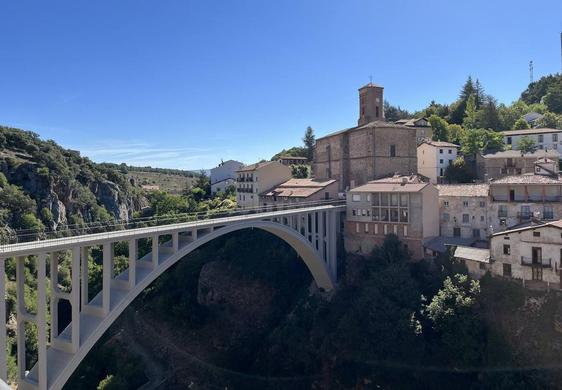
(434, 157)
(255, 179)
(544, 138)
(224, 175)
(530, 253)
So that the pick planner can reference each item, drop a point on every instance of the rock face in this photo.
(110, 196)
(57, 208)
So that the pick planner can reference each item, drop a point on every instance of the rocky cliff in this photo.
(66, 188)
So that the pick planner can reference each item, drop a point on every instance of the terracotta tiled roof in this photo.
(465, 190)
(527, 178)
(395, 183)
(517, 154)
(374, 124)
(299, 188)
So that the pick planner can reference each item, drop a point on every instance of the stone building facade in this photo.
(532, 253)
(371, 150)
(401, 205)
(464, 211)
(511, 162)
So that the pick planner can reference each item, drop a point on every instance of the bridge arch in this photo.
(67, 363)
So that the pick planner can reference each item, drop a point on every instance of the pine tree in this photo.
(309, 141)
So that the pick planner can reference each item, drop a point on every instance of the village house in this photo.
(544, 138)
(464, 211)
(521, 198)
(422, 126)
(254, 179)
(476, 260)
(434, 157)
(532, 254)
(511, 162)
(300, 190)
(371, 150)
(402, 205)
(224, 175)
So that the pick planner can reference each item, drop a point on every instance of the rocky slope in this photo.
(65, 188)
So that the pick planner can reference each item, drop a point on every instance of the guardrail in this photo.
(542, 262)
(31, 235)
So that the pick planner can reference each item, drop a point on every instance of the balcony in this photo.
(246, 190)
(528, 261)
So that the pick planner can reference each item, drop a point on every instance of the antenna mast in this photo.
(531, 71)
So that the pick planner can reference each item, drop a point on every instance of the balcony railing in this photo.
(528, 261)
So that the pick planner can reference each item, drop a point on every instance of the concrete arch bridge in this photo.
(310, 230)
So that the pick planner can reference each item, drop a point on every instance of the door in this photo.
(537, 272)
(536, 253)
(511, 195)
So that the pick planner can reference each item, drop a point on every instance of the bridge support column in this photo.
(299, 223)
(332, 244)
(321, 238)
(175, 241)
(42, 321)
(107, 275)
(314, 228)
(20, 313)
(155, 251)
(133, 262)
(75, 298)
(84, 275)
(3, 345)
(54, 265)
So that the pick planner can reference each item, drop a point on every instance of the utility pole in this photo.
(531, 72)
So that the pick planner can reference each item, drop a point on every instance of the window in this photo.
(403, 215)
(446, 217)
(364, 213)
(441, 172)
(465, 218)
(554, 137)
(536, 234)
(446, 203)
(353, 212)
(392, 150)
(465, 203)
(440, 151)
(482, 203)
(525, 212)
(502, 211)
(506, 249)
(548, 212)
(507, 270)
(481, 218)
(366, 228)
(482, 266)
(456, 232)
(509, 140)
(440, 161)
(541, 138)
(475, 233)
(450, 151)
(450, 162)
(404, 200)
(356, 197)
(377, 111)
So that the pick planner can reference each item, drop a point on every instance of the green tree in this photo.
(481, 140)
(553, 98)
(456, 133)
(487, 116)
(439, 127)
(538, 89)
(526, 145)
(470, 120)
(550, 120)
(454, 318)
(394, 113)
(459, 172)
(309, 141)
(521, 124)
(299, 171)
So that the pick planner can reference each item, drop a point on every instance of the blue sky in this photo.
(182, 84)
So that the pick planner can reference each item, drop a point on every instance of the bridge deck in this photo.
(54, 244)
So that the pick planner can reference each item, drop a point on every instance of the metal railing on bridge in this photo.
(9, 237)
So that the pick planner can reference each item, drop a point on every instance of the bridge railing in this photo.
(9, 237)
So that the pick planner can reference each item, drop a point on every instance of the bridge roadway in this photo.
(310, 230)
